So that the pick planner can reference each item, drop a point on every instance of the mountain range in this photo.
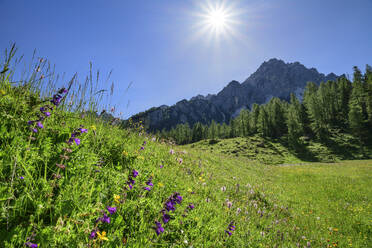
(274, 78)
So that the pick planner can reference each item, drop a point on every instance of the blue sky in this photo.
(160, 47)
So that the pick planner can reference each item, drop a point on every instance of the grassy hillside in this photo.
(270, 151)
(69, 180)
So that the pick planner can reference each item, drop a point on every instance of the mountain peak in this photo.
(274, 78)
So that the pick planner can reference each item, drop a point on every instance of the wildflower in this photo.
(158, 229)
(93, 234)
(83, 130)
(223, 188)
(166, 218)
(34, 130)
(134, 173)
(47, 114)
(169, 206)
(142, 148)
(161, 166)
(93, 127)
(229, 204)
(77, 141)
(147, 188)
(230, 228)
(31, 245)
(111, 210)
(144, 143)
(189, 190)
(21, 177)
(238, 210)
(117, 198)
(161, 185)
(180, 160)
(191, 206)
(171, 151)
(102, 236)
(104, 219)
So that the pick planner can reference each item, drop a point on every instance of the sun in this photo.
(217, 19)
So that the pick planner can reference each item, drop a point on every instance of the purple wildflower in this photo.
(169, 206)
(142, 148)
(158, 229)
(111, 210)
(31, 245)
(134, 173)
(34, 130)
(166, 218)
(93, 234)
(147, 188)
(83, 130)
(230, 228)
(47, 114)
(161, 166)
(178, 199)
(21, 177)
(77, 141)
(39, 124)
(104, 219)
(191, 206)
(30, 122)
(144, 143)
(42, 109)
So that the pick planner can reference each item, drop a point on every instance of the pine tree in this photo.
(294, 122)
(263, 122)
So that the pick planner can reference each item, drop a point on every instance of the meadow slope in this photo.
(71, 180)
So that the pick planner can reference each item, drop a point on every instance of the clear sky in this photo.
(169, 49)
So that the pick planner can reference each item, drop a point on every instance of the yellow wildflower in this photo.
(93, 127)
(102, 236)
(189, 190)
(161, 185)
(117, 198)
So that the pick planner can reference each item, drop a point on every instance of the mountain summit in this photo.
(274, 78)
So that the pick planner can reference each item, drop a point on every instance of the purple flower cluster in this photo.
(149, 184)
(45, 111)
(169, 205)
(104, 219)
(56, 100)
(37, 124)
(230, 228)
(31, 245)
(75, 134)
(131, 180)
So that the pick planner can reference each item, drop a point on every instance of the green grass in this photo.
(270, 151)
(271, 206)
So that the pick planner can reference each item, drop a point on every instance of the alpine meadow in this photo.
(281, 158)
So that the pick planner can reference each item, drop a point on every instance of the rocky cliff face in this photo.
(274, 78)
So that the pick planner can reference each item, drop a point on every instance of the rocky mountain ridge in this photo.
(274, 78)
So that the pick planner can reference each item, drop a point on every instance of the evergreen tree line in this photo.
(332, 107)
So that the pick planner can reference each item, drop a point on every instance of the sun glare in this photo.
(216, 20)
